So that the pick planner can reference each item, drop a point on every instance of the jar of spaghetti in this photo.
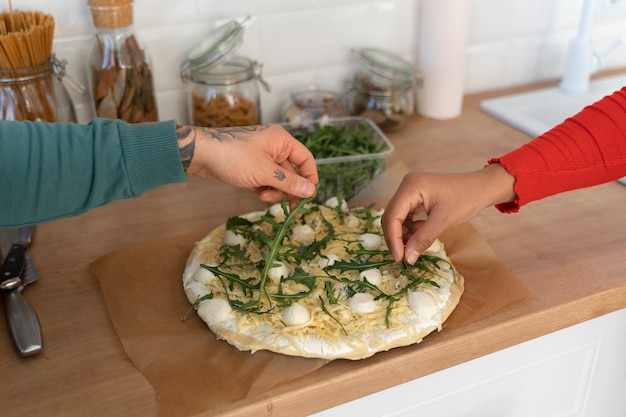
(36, 93)
(383, 90)
(223, 88)
(31, 85)
(119, 65)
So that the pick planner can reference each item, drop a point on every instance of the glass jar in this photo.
(225, 96)
(119, 66)
(313, 104)
(223, 88)
(383, 90)
(36, 93)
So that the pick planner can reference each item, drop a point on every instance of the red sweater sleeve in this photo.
(586, 149)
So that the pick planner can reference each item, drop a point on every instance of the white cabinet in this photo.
(577, 371)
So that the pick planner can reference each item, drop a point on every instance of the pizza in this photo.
(317, 281)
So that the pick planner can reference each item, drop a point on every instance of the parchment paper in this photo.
(191, 371)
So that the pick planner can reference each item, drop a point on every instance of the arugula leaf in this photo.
(236, 223)
(195, 304)
(247, 285)
(276, 243)
(330, 293)
(353, 265)
(325, 310)
(346, 178)
(300, 277)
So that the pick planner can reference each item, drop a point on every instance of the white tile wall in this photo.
(510, 42)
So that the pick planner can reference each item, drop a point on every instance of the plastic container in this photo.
(347, 175)
(312, 104)
(119, 65)
(383, 90)
(36, 93)
(223, 88)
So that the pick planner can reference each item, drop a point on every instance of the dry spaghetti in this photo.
(26, 84)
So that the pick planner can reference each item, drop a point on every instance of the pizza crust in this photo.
(252, 332)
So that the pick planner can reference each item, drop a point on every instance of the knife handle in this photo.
(23, 322)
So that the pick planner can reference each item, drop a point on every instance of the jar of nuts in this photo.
(223, 88)
(313, 104)
(383, 90)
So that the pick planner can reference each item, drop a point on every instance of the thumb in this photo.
(423, 235)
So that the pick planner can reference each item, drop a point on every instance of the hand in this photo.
(427, 204)
(266, 160)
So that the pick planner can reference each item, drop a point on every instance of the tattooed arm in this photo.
(266, 160)
(54, 170)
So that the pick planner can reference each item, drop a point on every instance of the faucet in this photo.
(582, 59)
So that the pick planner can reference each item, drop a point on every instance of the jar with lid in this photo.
(383, 90)
(36, 93)
(223, 88)
(119, 65)
(312, 104)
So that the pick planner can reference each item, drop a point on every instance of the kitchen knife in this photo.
(22, 318)
(30, 274)
(17, 235)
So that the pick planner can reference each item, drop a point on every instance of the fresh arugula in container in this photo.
(350, 153)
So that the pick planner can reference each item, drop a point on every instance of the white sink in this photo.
(537, 111)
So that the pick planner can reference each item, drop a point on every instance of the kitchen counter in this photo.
(568, 249)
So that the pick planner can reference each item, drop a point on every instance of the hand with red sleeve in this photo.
(585, 150)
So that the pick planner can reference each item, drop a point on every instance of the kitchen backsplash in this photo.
(305, 42)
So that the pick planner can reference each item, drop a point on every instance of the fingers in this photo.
(289, 167)
(294, 182)
(407, 239)
(295, 173)
(302, 158)
(400, 208)
(285, 180)
(422, 234)
(412, 220)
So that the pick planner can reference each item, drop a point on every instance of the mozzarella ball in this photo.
(214, 310)
(233, 239)
(294, 315)
(195, 290)
(303, 233)
(278, 272)
(362, 302)
(203, 276)
(435, 247)
(329, 260)
(378, 218)
(276, 210)
(422, 303)
(370, 241)
(373, 276)
(333, 202)
(352, 222)
(190, 270)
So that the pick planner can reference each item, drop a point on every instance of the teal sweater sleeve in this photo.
(54, 170)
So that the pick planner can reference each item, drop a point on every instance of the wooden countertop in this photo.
(568, 249)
